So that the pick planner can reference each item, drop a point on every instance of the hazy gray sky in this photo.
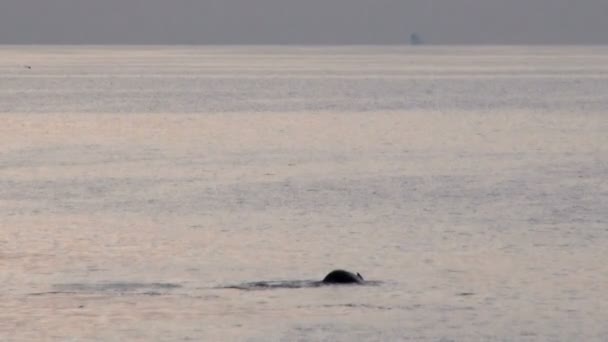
(304, 21)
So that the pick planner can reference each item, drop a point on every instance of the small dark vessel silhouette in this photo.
(343, 277)
(415, 39)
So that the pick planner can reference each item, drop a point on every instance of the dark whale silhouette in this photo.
(343, 277)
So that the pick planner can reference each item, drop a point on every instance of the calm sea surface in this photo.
(140, 185)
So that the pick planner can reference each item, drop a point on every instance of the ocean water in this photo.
(145, 191)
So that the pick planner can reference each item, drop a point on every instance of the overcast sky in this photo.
(304, 21)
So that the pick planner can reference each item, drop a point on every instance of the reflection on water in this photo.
(148, 193)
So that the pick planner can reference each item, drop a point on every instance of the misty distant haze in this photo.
(303, 21)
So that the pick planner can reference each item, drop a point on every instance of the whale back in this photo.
(343, 277)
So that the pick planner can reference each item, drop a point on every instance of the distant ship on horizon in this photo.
(415, 39)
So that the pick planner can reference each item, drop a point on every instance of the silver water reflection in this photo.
(136, 183)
